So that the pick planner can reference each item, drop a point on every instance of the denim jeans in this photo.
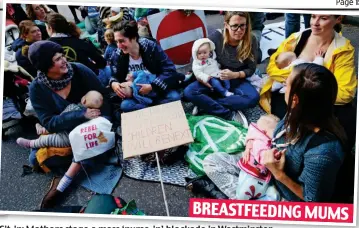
(91, 24)
(292, 23)
(258, 36)
(245, 96)
(220, 86)
(129, 105)
(104, 76)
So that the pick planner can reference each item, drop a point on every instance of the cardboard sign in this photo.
(154, 129)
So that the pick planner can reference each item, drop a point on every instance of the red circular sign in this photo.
(175, 23)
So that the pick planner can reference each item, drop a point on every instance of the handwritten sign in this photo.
(153, 129)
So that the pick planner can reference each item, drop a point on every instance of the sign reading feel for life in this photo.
(153, 129)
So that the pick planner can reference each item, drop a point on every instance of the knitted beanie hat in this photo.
(116, 9)
(41, 53)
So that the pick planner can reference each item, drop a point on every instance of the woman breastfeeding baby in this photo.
(58, 86)
(299, 159)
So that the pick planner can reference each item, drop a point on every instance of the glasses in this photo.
(235, 27)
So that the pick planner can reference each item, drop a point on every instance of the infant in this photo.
(286, 60)
(206, 68)
(92, 99)
(254, 178)
(131, 89)
(258, 140)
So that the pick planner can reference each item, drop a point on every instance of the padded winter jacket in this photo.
(339, 59)
(156, 62)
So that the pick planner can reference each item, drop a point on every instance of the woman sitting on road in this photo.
(339, 59)
(308, 148)
(236, 53)
(57, 85)
(29, 33)
(141, 54)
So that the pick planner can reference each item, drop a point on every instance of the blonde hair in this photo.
(244, 48)
(268, 123)
(92, 99)
(31, 13)
(25, 27)
(109, 35)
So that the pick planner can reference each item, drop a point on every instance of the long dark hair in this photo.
(128, 29)
(338, 27)
(316, 89)
(60, 25)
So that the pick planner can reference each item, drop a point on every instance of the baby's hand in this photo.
(246, 155)
(129, 77)
(319, 53)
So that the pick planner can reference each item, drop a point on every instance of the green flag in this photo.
(211, 135)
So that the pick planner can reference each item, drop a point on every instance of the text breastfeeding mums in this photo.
(268, 210)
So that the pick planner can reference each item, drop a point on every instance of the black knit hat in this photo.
(41, 53)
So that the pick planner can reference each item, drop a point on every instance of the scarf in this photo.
(56, 85)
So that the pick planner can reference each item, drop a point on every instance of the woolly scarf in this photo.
(56, 85)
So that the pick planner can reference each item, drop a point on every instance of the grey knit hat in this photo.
(41, 53)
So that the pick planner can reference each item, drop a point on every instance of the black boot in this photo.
(204, 186)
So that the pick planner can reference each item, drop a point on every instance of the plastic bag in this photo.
(29, 110)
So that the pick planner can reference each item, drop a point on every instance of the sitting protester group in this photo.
(299, 151)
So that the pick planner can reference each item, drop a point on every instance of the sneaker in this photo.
(239, 117)
(195, 111)
(227, 94)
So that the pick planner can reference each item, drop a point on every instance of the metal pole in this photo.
(163, 188)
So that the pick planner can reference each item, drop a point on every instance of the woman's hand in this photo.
(145, 89)
(206, 83)
(228, 74)
(116, 87)
(129, 77)
(92, 113)
(274, 161)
